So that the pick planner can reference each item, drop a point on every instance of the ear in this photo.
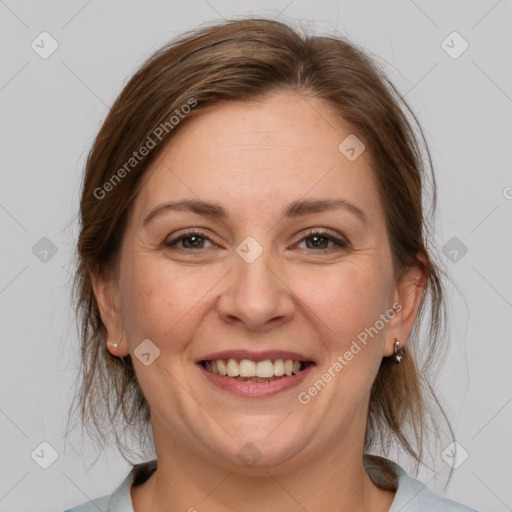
(107, 296)
(407, 298)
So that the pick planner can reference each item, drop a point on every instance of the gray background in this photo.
(51, 110)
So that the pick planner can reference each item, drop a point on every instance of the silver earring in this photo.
(399, 353)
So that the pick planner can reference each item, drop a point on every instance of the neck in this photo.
(191, 484)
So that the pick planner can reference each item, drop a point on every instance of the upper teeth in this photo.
(248, 368)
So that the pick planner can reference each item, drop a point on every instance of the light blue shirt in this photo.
(411, 496)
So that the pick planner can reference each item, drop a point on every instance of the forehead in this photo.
(255, 156)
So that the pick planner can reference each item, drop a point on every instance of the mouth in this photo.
(255, 374)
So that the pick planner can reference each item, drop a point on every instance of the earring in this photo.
(115, 345)
(399, 353)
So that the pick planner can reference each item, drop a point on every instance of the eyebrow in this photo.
(299, 208)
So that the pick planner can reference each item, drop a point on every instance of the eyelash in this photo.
(341, 243)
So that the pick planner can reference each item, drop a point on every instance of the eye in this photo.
(188, 241)
(320, 240)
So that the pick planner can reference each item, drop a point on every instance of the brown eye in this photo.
(321, 239)
(188, 241)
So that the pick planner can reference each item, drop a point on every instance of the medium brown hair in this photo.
(249, 59)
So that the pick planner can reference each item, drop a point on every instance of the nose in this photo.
(256, 294)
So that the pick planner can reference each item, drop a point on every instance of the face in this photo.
(288, 270)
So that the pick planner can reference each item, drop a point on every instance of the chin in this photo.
(264, 448)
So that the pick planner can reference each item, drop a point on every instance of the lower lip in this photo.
(256, 389)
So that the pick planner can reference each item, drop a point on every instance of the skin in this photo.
(254, 159)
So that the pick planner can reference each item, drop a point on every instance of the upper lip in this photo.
(240, 354)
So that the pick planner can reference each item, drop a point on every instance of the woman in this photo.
(253, 266)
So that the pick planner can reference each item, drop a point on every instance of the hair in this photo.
(247, 60)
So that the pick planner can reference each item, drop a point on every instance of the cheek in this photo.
(160, 303)
(347, 299)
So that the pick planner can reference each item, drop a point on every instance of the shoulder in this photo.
(120, 500)
(414, 496)
(97, 505)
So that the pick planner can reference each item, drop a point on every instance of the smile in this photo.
(247, 370)
(251, 374)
